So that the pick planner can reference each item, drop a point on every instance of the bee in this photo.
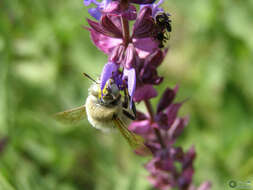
(107, 109)
(162, 26)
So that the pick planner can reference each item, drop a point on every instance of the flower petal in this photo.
(110, 27)
(142, 48)
(171, 112)
(131, 57)
(95, 12)
(189, 158)
(185, 179)
(107, 72)
(177, 128)
(130, 13)
(106, 27)
(155, 59)
(131, 78)
(162, 120)
(114, 8)
(117, 54)
(104, 43)
(144, 92)
(144, 25)
(140, 127)
(166, 99)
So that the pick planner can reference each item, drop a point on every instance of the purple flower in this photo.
(163, 173)
(100, 6)
(108, 37)
(148, 76)
(165, 117)
(111, 70)
(166, 113)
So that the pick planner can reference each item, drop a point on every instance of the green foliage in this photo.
(43, 52)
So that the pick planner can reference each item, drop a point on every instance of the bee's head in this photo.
(110, 92)
(162, 17)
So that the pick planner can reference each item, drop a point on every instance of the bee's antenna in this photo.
(88, 76)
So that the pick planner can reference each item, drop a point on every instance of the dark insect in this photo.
(162, 26)
(161, 38)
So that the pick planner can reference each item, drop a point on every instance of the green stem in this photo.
(125, 30)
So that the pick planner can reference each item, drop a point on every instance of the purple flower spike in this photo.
(135, 52)
(131, 78)
(107, 73)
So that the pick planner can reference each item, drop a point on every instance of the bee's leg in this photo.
(168, 27)
(125, 103)
(129, 115)
(134, 110)
(166, 36)
(126, 98)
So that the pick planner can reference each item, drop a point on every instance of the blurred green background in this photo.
(43, 52)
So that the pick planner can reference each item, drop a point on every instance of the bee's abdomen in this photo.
(100, 116)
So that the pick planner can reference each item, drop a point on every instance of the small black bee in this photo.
(161, 38)
(163, 25)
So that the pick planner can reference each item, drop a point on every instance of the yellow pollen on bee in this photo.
(104, 91)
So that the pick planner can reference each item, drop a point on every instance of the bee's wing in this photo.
(135, 141)
(71, 115)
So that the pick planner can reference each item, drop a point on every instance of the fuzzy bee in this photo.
(106, 110)
(162, 26)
